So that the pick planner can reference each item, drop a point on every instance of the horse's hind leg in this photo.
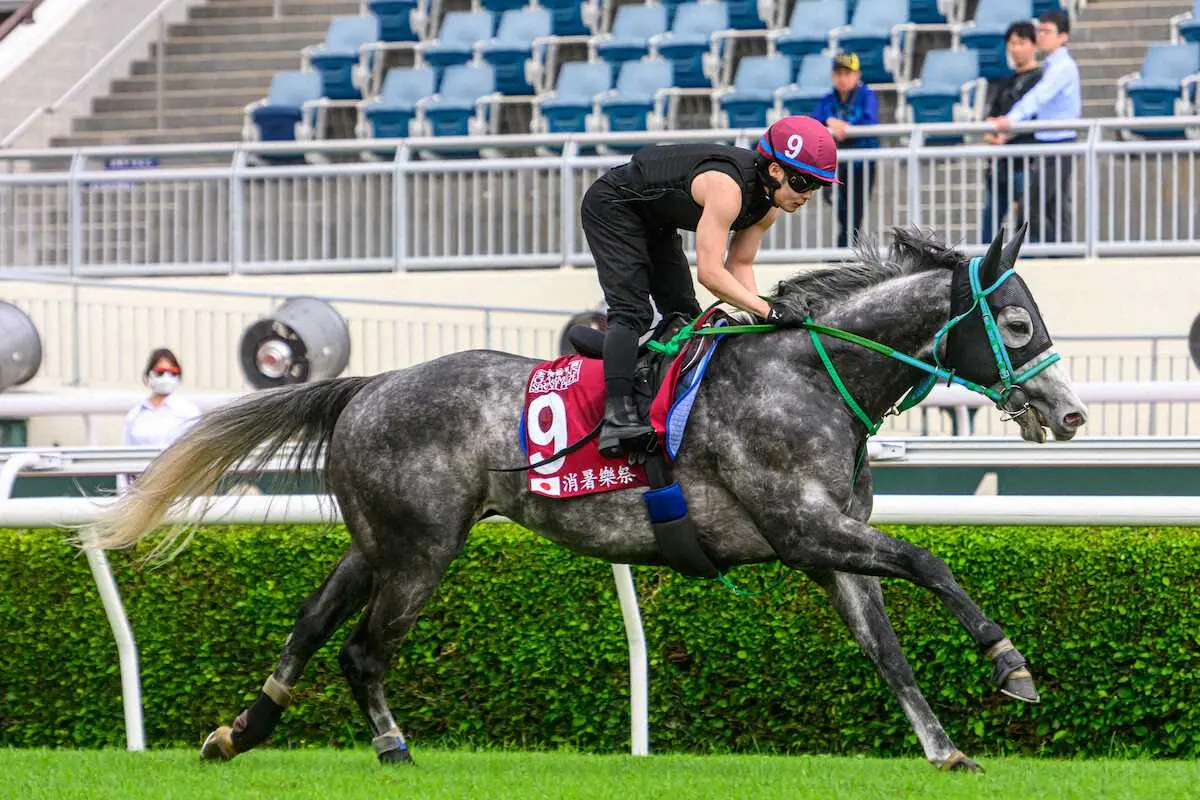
(342, 594)
(400, 592)
(859, 601)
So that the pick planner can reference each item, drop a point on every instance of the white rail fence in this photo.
(926, 509)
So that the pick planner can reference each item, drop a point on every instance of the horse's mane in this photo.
(913, 250)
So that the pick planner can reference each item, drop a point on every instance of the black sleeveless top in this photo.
(658, 183)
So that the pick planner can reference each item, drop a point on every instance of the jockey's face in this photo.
(786, 197)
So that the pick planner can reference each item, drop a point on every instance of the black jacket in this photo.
(658, 183)
(1008, 92)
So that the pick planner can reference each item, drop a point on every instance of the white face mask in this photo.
(163, 384)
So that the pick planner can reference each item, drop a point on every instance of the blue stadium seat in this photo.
(925, 12)
(456, 39)
(1158, 88)
(500, 6)
(450, 111)
(281, 114)
(747, 104)
(566, 109)
(395, 19)
(629, 106)
(808, 32)
(690, 39)
(1187, 26)
(513, 46)
(630, 37)
(986, 34)
(337, 57)
(814, 82)
(1042, 6)
(387, 115)
(743, 15)
(566, 17)
(870, 32)
(943, 76)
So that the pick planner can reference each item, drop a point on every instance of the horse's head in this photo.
(1001, 342)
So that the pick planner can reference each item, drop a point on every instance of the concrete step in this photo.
(230, 44)
(1108, 68)
(1144, 30)
(216, 82)
(1098, 88)
(174, 100)
(1119, 10)
(264, 8)
(1087, 51)
(205, 135)
(172, 120)
(221, 62)
(315, 25)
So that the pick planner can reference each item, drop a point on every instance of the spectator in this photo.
(1008, 186)
(1055, 96)
(163, 416)
(851, 103)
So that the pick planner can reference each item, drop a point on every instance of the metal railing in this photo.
(214, 209)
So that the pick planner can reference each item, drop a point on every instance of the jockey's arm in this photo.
(743, 250)
(721, 198)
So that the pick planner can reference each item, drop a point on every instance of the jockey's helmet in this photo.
(804, 149)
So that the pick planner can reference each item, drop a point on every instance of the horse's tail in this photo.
(221, 440)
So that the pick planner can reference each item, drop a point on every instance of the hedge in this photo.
(523, 646)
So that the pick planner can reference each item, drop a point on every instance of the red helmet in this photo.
(805, 150)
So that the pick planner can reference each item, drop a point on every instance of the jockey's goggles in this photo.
(803, 182)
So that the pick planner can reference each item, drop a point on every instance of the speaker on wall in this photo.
(303, 340)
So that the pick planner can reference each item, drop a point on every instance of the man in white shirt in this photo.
(1056, 96)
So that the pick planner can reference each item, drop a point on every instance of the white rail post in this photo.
(639, 716)
(131, 689)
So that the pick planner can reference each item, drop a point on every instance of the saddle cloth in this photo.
(564, 401)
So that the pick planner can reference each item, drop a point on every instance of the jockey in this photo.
(631, 217)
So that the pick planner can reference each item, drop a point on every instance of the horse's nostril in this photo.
(1074, 419)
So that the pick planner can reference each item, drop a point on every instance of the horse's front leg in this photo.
(859, 601)
(813, 533)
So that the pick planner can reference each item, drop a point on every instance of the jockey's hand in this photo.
(786, 316)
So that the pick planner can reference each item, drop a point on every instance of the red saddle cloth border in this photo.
(548, 425)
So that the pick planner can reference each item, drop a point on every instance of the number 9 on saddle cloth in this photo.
(563, 407)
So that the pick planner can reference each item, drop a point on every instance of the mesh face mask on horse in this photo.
(769, 469)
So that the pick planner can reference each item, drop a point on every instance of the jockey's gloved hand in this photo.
(786, 316)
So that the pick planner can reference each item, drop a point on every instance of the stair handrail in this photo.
(156, 17)
(23, 14)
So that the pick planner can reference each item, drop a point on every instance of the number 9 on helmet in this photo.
(804, 149)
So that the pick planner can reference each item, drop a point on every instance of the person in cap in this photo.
(632, 216)
(849, 104)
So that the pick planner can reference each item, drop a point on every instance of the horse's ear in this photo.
(1012, 250)
(989, 270)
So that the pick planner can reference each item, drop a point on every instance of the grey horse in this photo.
(769, 470)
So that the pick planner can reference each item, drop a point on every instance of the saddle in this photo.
(673, 528)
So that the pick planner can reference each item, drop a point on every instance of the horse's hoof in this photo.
(958, 762)
(1019, 686)
(1011, 672)
(400, 756)
(219, 745)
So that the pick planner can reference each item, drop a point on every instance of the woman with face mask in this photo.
(164, 415)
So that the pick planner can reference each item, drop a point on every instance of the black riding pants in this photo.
(635, 262)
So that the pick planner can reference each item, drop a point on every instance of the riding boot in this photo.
(624, 431)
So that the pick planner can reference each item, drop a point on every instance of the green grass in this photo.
(354, 774)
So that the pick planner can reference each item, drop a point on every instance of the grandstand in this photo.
(235, 69)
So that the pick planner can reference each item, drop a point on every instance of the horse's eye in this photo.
(1019, 326)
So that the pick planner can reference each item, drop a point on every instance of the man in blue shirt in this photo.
(1056, 96)
(850, 104)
